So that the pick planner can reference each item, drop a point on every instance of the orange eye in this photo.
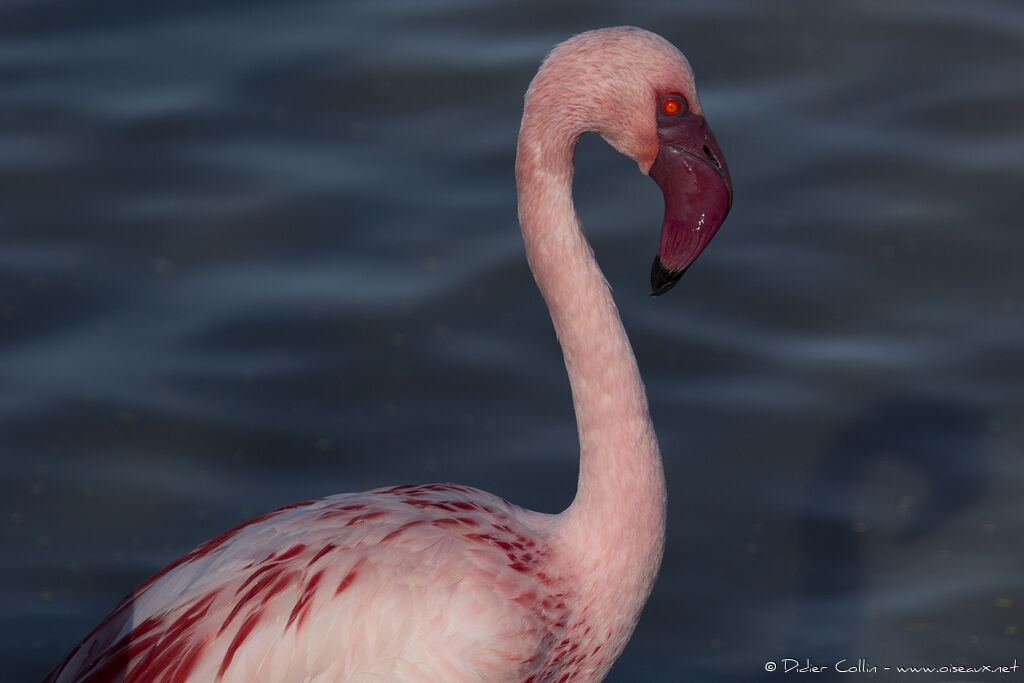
(670, 107)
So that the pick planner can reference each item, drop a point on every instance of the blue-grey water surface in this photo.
(253, 253)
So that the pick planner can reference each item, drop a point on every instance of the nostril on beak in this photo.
(711, 158)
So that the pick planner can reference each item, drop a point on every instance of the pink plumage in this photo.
(443, 582)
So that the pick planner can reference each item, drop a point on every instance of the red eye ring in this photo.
(671, 106)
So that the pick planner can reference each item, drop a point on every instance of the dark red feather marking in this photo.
(273, 572)
(282, 582)
(184, 669)
(362, 519)
(189, 618)
(300, 611)
(347, 581)
(401, 529)
(150, 624)
(115, 662)
(160, 658)
(341, 511)
(263, 569)
(247, 626)
(481, 538)
(288, 554)
(323, 551)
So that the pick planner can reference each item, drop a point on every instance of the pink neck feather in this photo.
(611, 537)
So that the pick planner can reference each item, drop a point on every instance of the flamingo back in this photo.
(391, 584)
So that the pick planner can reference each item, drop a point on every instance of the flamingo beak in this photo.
(691, 171)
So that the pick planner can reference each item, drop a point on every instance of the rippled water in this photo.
(254, 253)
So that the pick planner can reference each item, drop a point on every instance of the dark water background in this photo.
(259, 252)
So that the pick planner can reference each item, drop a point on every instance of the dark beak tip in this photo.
(663, 279)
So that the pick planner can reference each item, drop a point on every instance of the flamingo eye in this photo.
(671, 106)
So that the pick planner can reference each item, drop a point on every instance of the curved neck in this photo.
(613, 533)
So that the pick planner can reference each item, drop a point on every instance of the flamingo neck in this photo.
(612, 535)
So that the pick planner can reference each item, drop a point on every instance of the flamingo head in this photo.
(691, 171)
(637, 91)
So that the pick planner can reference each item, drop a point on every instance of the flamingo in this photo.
(443, 582)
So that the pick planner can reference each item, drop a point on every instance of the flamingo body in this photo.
(265, 600)
(443, 582)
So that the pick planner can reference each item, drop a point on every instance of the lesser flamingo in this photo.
(447, 583)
